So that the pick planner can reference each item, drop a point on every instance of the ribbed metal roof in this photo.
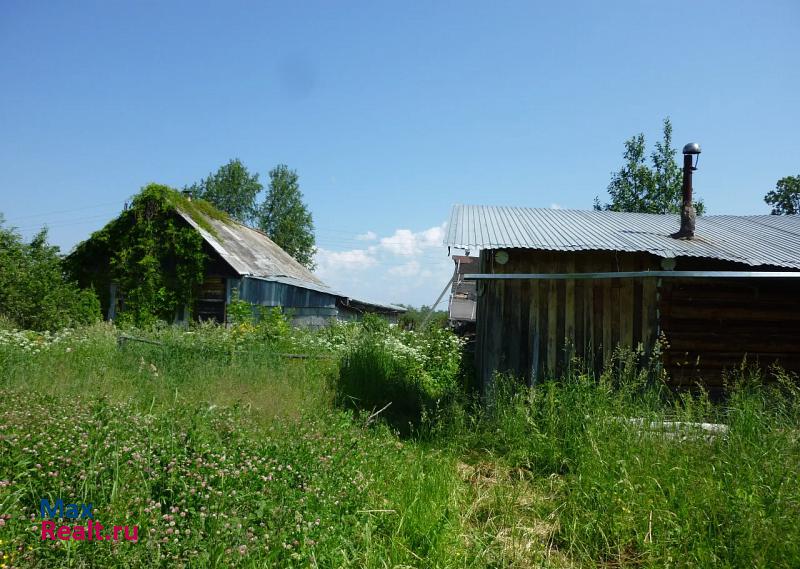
(752, 240)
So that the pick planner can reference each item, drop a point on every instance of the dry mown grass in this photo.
(511, 517)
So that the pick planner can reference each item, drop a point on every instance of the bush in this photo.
(411, 372)
(273, 324)
(34, 294)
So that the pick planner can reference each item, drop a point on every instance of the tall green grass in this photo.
(250, 455)
(647, 492)
(223, 457)
(201, 366)
(403, 376)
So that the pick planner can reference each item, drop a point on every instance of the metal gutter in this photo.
(634, 274)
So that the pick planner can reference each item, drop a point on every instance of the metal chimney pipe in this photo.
(688, 214)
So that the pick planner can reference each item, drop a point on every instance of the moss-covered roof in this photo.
(200, 211)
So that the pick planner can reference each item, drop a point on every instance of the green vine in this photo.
(155, 258)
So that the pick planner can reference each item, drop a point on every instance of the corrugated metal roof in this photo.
(752, 240)
(251, 253)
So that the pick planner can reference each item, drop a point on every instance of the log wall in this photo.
(711, 326)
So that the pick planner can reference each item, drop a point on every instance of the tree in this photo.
(285, 218)
(232, 189)
(785, 198)
(412, 318)
(34, 293)
(642, 188)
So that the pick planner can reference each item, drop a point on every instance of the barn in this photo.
(556, 286)
(246, 260)
(237, 261)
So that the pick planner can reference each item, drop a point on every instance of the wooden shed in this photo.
(237, 259)
(555, 285)
(246, 260)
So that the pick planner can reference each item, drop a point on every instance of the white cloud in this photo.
(407, 243)
(555, 206)
(407, 266)
(353, 260)
(368, 236)
(433, 237)
(401, 243)
(405, 270)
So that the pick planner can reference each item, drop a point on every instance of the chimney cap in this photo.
(691, 148)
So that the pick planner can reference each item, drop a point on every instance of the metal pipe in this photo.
(634, 274)
(435, 304)
(688, 213)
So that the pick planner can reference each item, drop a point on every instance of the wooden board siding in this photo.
(538, 329)
(533, 329)
(711, 326)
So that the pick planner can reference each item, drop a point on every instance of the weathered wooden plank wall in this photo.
(534, 329)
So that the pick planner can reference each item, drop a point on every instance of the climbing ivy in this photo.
(151, 253)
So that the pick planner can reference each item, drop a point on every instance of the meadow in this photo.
(226, 450)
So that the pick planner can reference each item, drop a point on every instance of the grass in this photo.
(226, 455)
(242, 451)
(628, 496)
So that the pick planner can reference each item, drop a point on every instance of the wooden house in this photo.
(555, 285)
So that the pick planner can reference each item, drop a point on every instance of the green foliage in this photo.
(273, 324)
(261, 324)
(197, 209)
(231, 189)
(641, 484)
(153, 255)
(245, 454)
(34, 293)
(220, 462)
(411, 372)
(285, 218)
(282, 215)
(785, 198)
(642, 188)
(412, 318)
(239, 311)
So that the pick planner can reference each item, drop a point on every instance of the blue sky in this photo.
(390, 112)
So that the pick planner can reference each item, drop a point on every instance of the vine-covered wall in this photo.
(155, 258)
